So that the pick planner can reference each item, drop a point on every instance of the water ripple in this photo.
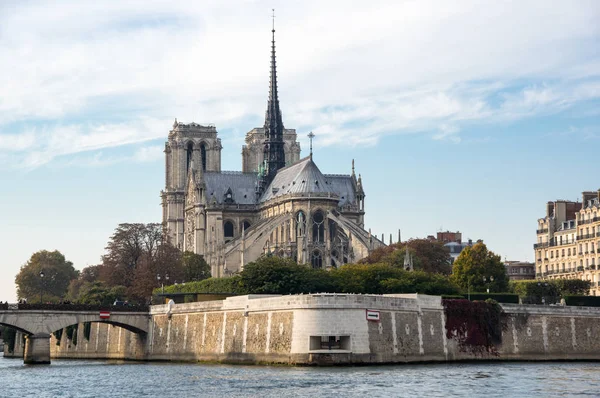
(128, 379)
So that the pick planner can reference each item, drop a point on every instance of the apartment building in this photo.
(568, 241)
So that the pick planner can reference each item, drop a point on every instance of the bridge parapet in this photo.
(75, 307)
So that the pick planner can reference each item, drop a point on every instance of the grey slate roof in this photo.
(343, 186)
(301, 177)
(242, 186)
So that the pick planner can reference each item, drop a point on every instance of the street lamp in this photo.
(543, 286)
(491, 279)
(42, 286)
(162, 284)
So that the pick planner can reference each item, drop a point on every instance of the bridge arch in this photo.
(33, 322)
(16, 327)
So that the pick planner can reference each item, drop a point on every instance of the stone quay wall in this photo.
(297, 330)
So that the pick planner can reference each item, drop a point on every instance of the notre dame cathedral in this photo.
(279, 204)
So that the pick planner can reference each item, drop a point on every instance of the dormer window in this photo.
(228, 197)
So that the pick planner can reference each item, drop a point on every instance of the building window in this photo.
(228, 229)
(189, 153)
(244, 225)
(203, 156)
(318, 230)
(317, 259)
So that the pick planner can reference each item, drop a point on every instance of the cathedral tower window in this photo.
(203, 156)
(318, 227)
(190, 153)
(228, 230)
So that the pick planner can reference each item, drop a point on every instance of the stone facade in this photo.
(252, 151)
(331, 329)
(568, 241)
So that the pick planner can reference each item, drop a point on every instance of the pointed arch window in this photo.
(189, 155)
(318, 227)
(244, 225)
(203, 156)
(316, 259)
(228, 230)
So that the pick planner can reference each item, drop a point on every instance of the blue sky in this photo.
(466, 116)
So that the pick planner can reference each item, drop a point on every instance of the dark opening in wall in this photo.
(330, 343)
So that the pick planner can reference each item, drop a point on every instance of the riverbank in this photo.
(332, 329)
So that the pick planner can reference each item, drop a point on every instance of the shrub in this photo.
(583, 301)
(274, 275)
(211, 285)
(499, 297)
(420, 282)
(572, 287)
(548, 291)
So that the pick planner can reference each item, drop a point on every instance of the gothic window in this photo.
(300, 224)
(190, 153)
(244, 225)
(316, 259)
(203, 156)
(332, 230)
(318, 227)
(228, 230)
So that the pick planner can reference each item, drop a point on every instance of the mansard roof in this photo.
(301, 177)
(242, 185)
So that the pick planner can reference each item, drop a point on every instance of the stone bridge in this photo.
(38, 322)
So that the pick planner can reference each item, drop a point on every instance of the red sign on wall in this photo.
(104, 314)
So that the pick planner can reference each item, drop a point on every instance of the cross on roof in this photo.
(310, 137)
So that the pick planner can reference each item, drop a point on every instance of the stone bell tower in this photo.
(189, 146)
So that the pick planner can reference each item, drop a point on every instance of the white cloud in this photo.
(92, 76)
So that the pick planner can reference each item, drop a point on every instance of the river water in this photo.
(73, 378)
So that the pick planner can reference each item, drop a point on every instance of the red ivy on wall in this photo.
(476, 325)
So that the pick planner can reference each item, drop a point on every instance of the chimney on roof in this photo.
(549, 209)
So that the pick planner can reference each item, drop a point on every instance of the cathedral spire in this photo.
(273, 150)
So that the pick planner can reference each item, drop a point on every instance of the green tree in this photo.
(57, 274)
(275, 275)
(476, 263)
(420, 282)
(428, 255)
(195, 268)
(364, 278)
(99, 294)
